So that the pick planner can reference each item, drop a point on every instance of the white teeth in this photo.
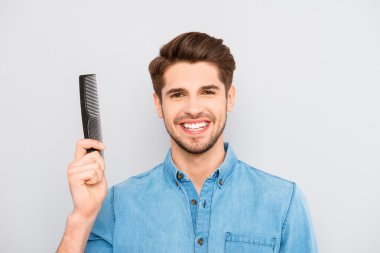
(196, 125)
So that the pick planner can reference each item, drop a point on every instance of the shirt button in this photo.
(179, 176)
(221, 182)
(200, 241)
(193, 202)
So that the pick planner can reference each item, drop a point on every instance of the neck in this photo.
(198, 166)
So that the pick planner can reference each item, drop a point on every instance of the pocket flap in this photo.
(238, 242)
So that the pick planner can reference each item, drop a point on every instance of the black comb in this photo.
(90, 108)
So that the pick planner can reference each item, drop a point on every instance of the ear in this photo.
(231, 98)
(157, 103)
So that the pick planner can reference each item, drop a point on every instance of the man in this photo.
(201, 198)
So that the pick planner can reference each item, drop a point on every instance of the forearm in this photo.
(76, 234)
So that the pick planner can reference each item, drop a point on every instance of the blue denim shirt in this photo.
(240, 209)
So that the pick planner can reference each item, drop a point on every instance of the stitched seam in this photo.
(289, 207)
(140, 176)
(113, 213)
(250, 243)
(245, 238)
(232, 238)
(113, 204)
(146, 173)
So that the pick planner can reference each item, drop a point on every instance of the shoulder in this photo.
(142, 181)
(261, 179)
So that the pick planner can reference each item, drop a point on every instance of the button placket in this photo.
(192, 199)
(203, 216)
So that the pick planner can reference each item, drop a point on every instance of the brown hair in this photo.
(193, 47)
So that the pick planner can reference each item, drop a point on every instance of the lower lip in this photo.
(195, 132)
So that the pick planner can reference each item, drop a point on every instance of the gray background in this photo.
(307, 105)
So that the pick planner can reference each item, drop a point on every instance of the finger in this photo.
(74, 170)
(93, 157)
(91, 165)
(86, 176)
(83, 144)
(89, 177)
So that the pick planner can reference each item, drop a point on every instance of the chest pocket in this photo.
(248, 243)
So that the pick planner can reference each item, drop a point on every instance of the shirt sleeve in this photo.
(297, 234)
(101, 236)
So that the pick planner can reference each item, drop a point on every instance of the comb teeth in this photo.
(90, 107)
(95, 130)
(91, 93)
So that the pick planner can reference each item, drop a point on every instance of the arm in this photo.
(88, 189)
(297, 231)
(76, 233)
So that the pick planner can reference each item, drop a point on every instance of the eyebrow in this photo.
(210, 87)
(206, 87)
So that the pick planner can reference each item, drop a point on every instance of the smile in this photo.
(195, 128)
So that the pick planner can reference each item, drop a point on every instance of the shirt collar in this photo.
(222, 173)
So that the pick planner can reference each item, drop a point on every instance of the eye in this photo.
(208, 92)
(176, 95)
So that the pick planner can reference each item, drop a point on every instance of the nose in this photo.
(194, 106)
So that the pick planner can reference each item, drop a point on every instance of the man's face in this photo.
(194, 105)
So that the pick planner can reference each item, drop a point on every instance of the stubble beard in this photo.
(195, 147)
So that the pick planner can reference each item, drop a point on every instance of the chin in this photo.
(195, 147)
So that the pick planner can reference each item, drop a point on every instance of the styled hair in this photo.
(192, 47)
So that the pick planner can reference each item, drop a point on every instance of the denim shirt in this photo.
(240, 209)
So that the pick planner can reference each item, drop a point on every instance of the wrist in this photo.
(83, 218)
(78, 228)
(78, 225)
